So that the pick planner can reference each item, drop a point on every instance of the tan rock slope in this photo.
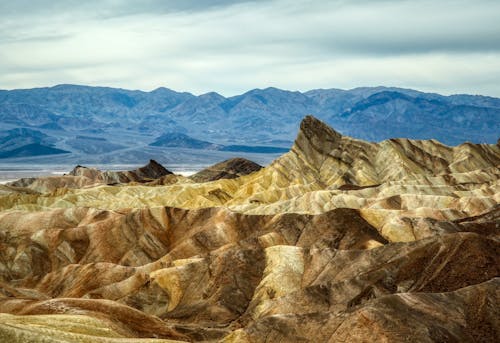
(81, 177)
(339, 240)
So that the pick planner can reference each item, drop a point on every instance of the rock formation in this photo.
(229, 169)
(81, 177)
(338, 240)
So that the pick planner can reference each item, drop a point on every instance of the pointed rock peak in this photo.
(153, 170)
(315, 140)
(153, 163)
(314, 129)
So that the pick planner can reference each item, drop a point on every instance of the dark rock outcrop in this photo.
(229, 169)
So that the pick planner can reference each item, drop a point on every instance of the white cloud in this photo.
(447, 47)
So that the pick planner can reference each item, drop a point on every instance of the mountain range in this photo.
(81, 123)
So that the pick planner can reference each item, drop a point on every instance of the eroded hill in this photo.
(337, 240)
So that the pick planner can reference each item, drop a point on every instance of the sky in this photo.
(442, 46)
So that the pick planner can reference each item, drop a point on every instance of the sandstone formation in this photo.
(153, 170)
(81, 177)
(338, 240)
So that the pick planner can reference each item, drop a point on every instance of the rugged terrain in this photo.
(96, 125)
(338, 240)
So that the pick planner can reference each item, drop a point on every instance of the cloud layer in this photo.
(232, 46)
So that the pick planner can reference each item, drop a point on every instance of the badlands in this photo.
(338, 240)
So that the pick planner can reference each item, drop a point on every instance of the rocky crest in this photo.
(338, 240)
(229, 169)
(81, 177)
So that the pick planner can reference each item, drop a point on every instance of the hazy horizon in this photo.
(446, 47)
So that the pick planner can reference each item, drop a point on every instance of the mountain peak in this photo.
(314, 129)
(152, 170)
(315, 138)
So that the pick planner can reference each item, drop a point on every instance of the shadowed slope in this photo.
(229, 169)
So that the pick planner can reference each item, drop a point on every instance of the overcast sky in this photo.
(232, 46)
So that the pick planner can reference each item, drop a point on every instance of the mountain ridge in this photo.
(254, 118)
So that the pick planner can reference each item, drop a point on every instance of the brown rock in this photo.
(229, 169)
(339, 240)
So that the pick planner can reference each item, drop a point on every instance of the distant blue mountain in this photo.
(29, 150)
(180, 140)
(18, 137)
(133, 120)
